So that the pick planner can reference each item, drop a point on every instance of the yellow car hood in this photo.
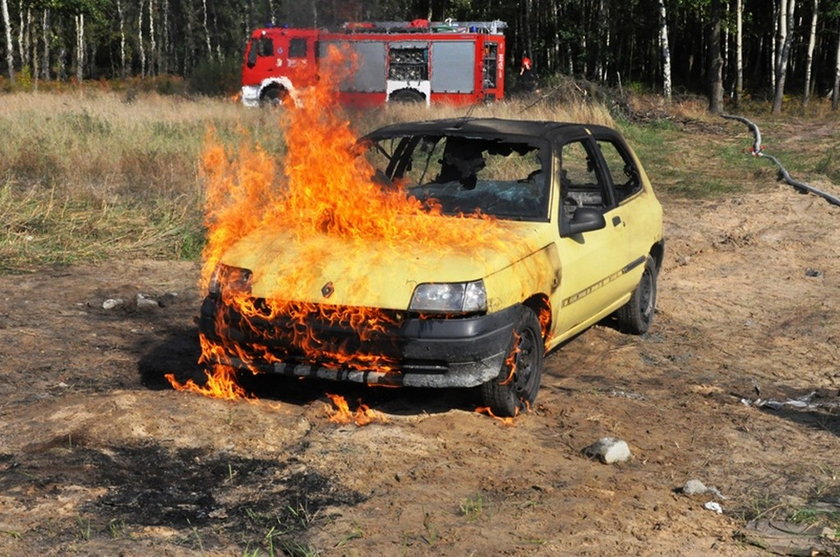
(337, 271)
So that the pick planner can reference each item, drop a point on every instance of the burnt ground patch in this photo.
(219, 498)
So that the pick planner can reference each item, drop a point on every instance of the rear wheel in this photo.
(273, 96)
(636, 316)
(519, 379)
(407, 96)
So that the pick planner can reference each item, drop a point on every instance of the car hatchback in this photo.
(581, 237)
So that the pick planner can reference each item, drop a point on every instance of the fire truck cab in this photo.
(450, 62)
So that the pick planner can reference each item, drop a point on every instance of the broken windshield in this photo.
(500, 177)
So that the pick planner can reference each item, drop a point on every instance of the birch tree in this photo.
(7, 25)
(122, 38)
(786, 12)
(835, 92)
(809, 56)
(715, 62)
(739, 51)
(666, 52)
(80, 46)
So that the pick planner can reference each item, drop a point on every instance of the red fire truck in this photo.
(433, 62)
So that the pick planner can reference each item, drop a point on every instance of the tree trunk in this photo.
(122, 38)
(141, 48)
(715, 62)
(739, 51)
(774, 43)
(786, 31)
(153, 56)
(809, 57)
(10, 60)
(207, 29)
(666, 51)
(45, 30)
(80, 46)
(835, 92)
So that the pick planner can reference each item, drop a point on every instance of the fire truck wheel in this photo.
(272, 96)
(407, 96)
(516, 386)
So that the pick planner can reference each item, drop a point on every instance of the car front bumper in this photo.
(441, 352)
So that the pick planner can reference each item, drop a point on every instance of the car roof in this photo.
(488, 126)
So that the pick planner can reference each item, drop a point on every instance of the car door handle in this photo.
(616, 220)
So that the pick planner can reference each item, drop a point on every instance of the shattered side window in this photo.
(502, 178)
(623, 172)
(580, 185)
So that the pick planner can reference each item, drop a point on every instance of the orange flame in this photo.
(363, 415)
(510, 361)
(324, 189)
(509, 422)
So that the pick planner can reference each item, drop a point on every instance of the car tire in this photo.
(507, 394)
(636, 316)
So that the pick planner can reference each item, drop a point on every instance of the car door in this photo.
(593, 263)
(629, 214)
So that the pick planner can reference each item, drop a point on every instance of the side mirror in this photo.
(586, 219)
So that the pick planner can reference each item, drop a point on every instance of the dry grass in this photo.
(94, 174)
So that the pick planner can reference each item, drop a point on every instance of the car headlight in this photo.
(233, 279)
(450, 297)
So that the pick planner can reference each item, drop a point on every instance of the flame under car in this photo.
(545, 229)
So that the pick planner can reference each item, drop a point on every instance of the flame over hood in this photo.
(323, 218)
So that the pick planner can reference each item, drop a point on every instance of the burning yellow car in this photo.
(454, 253)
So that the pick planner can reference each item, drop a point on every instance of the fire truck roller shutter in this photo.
(369, 77)
(453, 66)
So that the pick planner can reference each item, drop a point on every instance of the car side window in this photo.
(622, 171)
(581, 185)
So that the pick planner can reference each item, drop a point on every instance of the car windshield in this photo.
(506, 178)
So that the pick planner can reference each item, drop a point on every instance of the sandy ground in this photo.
(98, 456)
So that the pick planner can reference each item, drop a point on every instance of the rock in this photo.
(714, 507)
(813, 273)
(144, 302)
(608, 450)
(112, 303)
(694, 487)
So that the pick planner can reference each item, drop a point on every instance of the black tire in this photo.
(407, 96)
(636, 316)
(273, 96)
(506, 395)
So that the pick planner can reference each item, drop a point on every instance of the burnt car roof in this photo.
(485, 126)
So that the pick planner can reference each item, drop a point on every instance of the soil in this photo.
(99, 456)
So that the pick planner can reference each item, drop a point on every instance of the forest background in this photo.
(725, 49)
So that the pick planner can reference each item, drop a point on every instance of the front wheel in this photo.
(636, 316)
(519, 379)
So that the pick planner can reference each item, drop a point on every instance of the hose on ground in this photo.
(757, 151)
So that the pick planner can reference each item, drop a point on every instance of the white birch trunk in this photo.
(786, 13)
(774, 42)
(739, 50)
(45, 31)
(122, 37)
(207, 29)
(666, 51)
(21, 49)
(809, 57)
(835, 92)
(10, 59)
(80, 46)
(154, 58)
(141, 46)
